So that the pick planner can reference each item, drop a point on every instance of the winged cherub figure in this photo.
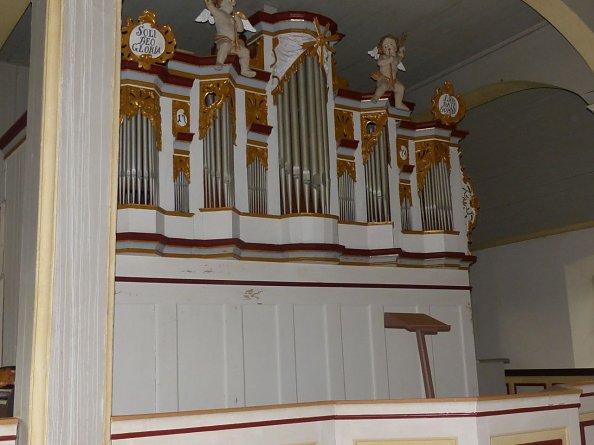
(229, 24)
(389, 53)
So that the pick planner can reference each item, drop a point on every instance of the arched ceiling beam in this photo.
(12, 11)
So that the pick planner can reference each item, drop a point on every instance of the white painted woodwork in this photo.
(62, 353)
(420, 422)
(248, 345)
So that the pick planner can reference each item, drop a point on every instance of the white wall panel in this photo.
(134, 390)
(260, 341)
(357, 350)
(310, 352)
(201, 351)
(404, 366)
(286, 354)
(449, 378)
(167, 359)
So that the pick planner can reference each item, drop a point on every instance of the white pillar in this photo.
(63, 393)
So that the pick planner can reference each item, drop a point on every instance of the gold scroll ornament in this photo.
(447, 107)
(429, 153)
(181, 163)
(348, 167)
(223, 92)
(180, 117)
(370, 137)
(256, 109)
(134, 100)
(252, 153)
(145, 43)
(344, 127)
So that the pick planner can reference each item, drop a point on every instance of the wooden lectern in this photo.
(420, 324)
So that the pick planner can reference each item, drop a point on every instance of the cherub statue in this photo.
(229, 24)
(389, 53)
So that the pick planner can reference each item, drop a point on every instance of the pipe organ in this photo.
(284, 117)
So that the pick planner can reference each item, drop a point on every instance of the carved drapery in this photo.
(134, 100)
(256, 109)
(344, 127)
(429, 153)
(348, 167)
(223, 92)
(371, 135)
(181, 163)
(259, 153)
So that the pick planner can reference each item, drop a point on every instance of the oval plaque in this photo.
(144, 42)
(448, 107)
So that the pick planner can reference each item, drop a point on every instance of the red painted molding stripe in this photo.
(122, 279)
(587, 394)
(264, 423)
(8, 438)
(13, 131)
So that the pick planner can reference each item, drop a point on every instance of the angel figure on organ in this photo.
(229, 25)
(389, 54)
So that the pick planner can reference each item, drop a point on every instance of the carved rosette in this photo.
(134, 100)
(470, 204)
(429, 153)
(370, 137)
(256, 109)
(405, 192)
(252, 153)
(181, 163)
(223, 92)
(180, 117)
(344, 127)
(348, 167)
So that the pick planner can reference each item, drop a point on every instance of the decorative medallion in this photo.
(252, 153)
(180, 117)
(344, 127)
(348, 167)
(145, 43)
(181, 163)
(448, 107)
(405, 192)
(134, 100)
(220, 91)
(370, 136)
(429, 153)
(402, 152)
(256, 109)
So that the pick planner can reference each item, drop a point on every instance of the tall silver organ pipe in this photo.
(304, 166)
(346, 197)
(138, 162)
(181, 193)
(436, 198)
(405, 213)
(218, 160)
(376, 181)
(257, 200)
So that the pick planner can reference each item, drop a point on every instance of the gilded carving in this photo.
(447, 107)
(470, 204)
(222, 91)
(348, 167)
(181, 163)
(257, 54)
(253, 153)
(429, 153)
(405, 192)
(403, 157)
(371, 135)
(150, 44)
(344, 127)
(256, 109)
(134, 100)
(180, 117)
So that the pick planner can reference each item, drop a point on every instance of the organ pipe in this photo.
(436, 199)
(303, 137)
(376, 180)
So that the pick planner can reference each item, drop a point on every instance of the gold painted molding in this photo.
(531, 436)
